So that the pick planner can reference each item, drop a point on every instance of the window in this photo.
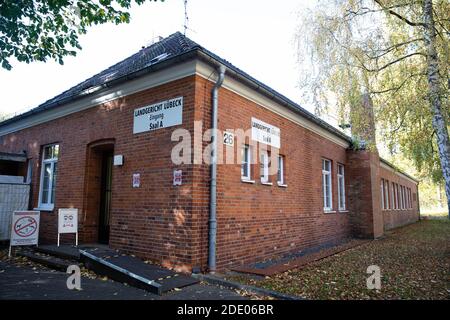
(341, 187)
(280, 173)
(386, 189)
(394, 198)
(382, 194)
(49, 166)
(409, 198)
(398, 197)
(326, 182)
(245, 166)
(264, 165)
(402, 197)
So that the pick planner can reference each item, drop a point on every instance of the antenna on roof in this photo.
(186, 18)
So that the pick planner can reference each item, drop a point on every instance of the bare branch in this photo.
(395, 14)
(397, 88)
(394, 62)
(391, 48)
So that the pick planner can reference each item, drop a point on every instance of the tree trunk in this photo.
(434, 87)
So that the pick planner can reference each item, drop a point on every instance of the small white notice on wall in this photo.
(159, 115)
(136, 180)
(177, 177)
(265, 133)
(228, 139)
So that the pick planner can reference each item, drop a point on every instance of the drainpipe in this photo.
(213, 186)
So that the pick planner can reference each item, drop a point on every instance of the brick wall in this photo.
(153, 221)
(257, 221)
(395, 218)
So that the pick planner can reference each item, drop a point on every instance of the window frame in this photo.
(328, 174)
(387, 197)
(264, 157)
(246, 153)
(280, 171)
(402, 198)
(398, 197)
(394, 198)
(48, 205)
(382, 194)
(341, 193)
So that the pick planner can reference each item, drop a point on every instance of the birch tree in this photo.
(397, 51)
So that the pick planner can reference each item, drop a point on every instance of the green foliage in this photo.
(35, 30)
(378, 47)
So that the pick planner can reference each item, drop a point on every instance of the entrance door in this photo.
(105, 197)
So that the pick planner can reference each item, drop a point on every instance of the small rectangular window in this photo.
(402, 198)
(264, 166)
(341, 187)
(245, 166)
(409, 198)
(386, 198)
(382, 194)
(394, 204)
(326, 184)
(50, 156)
(280, 172)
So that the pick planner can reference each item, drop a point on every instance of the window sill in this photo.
(266, 183)
(282, 185)
(329, 211)
(247, 181)
(49, 209)
(343, 211)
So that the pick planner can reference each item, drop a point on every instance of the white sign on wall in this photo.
(265, 133)
(177, 177)
(25, 228)
(136, 180)
(68, 222)
(228, 139)
(159, 115)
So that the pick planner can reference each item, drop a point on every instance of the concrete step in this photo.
(62, 252)
(46, 260)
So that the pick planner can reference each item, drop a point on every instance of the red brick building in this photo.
(106, 147)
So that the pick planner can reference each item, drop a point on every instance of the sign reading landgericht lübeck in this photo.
(159, 115)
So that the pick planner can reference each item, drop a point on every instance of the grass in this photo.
(414, 263)
(434, 215)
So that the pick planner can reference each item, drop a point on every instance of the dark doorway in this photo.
(105, 197)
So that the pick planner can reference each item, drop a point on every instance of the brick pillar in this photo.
(363, 171)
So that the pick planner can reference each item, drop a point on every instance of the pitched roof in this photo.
(165, 50)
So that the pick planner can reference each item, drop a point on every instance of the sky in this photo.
(255, 35)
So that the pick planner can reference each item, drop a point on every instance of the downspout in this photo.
(213, 185)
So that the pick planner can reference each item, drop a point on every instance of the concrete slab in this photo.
(131, 270)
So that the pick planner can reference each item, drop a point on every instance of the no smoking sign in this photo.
(25, 228)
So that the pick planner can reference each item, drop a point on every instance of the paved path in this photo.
(22, 283)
